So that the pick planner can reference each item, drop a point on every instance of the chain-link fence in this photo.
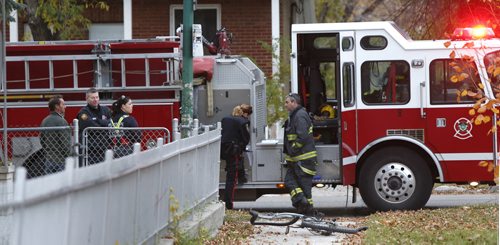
(97, 140)
(44, 150)
(40, 150)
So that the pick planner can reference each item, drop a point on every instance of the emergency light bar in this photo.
(478, 32)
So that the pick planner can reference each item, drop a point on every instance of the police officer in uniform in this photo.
(94, 115)
(121, 118)
(300, 155)
(235, 137)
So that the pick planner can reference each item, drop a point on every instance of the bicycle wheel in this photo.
(328, 227)
(277, 219)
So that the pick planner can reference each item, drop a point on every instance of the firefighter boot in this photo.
(302, 206)
(310, 211)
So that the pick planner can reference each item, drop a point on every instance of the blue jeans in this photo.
(53, 167)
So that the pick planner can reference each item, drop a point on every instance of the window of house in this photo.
(208, 15)
(348, 84)
(106, 31)
(443, 90)
(385, 82)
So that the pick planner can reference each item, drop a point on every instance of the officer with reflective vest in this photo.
(300, 155)
(122, 140)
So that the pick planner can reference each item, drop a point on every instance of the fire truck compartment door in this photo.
(269, 159)
(328, 168)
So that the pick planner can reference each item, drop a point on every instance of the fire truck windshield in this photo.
(492, 63)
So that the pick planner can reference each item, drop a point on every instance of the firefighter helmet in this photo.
(327, 111)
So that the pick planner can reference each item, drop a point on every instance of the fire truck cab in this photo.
(397, 125)
(386, 116)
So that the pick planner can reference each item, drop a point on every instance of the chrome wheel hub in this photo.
(394, 182)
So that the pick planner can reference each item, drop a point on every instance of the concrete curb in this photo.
(208, 217)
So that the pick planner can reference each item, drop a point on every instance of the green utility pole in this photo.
(187, 67)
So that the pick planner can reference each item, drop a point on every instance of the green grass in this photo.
(463, 225)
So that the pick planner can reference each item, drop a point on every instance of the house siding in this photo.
(248, 20)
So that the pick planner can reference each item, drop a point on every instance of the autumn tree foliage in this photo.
(485, 111)
(59, 19)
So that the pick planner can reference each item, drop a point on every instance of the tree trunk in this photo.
(39, 29)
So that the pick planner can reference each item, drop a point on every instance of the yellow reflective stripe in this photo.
(310, 130)
(297, 145)
(291, 136)
(304, 156)
(117, 125)
(295, 191)
(307, 171)
(310, 201)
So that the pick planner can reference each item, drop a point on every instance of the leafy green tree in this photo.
(275, 87)
(59, 19)
(10, 5)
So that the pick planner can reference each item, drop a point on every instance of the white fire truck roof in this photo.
(399, 35)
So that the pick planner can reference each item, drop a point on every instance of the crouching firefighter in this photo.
(235, 137)
(300, 155)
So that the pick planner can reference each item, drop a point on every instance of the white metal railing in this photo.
(129, 200)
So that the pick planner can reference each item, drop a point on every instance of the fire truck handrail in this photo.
(59, 42)
(107, 89)
(92, 57)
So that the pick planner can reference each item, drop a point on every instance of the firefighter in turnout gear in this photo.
(235, 137)
(300, 155)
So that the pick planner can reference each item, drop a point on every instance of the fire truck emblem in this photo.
(463, 127)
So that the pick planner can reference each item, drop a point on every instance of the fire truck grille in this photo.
(414, 133)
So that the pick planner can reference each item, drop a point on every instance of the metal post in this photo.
(196, 127)
(76, 140)
(496, 150)
(4, 87)
(187, 67)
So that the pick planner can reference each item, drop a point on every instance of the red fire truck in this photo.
(395, 126)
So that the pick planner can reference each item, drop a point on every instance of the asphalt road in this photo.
(338, 202)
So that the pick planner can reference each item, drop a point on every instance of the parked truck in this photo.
(395, 125)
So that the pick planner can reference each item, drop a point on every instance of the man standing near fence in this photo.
(55, 142)
(94, 115)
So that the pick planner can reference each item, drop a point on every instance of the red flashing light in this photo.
(478, 32)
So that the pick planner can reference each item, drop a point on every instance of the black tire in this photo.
(395, 178)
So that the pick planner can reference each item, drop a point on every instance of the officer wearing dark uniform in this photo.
(300, 155)
(235, 137)
(94, 115)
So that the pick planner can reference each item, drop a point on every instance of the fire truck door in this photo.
(347, 105)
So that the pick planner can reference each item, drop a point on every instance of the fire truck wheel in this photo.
(395, 178)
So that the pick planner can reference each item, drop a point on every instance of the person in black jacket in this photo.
(300, 155)
(235, 137)
(122, 141)
(94, 115)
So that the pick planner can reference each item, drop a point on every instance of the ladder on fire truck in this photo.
(102, 58)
